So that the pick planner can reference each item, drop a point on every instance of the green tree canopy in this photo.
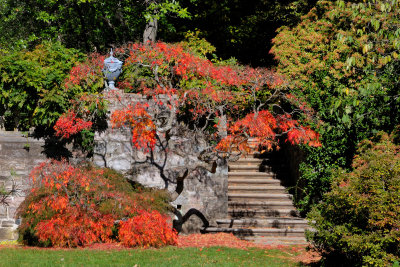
(88, 25)
(342, 59)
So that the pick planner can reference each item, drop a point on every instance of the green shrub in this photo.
(346, 72)
(32, 86)
(358, 222)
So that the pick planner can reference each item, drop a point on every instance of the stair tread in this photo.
(248, 173)
(237, 213)
(259, 195)
(272, 219)
(260, 210)
(242, 166)
(256, 230)
(248, 159)
(257, 187)
(281, 223)
(254, 180)
(259, 203)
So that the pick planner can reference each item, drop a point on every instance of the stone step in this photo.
(254, 174)
(257, 196)
(277, 240)
(236, 213)
(246, 168)
(263, 232)
(279, 204)
(253, 181)
(260, 209)
(256, 188)
(250, 168)
(277, 222)
(248, 161)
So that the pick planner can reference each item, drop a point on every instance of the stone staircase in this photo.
(259, 207)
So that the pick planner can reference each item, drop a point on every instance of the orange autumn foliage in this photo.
(140, 122)
(200, 92)
(147, 229)
(70, 206)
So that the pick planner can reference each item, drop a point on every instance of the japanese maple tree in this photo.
(70, 206)
(242, 102)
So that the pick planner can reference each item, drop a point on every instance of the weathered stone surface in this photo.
(8, 223)
(18, 156)
(8, 233)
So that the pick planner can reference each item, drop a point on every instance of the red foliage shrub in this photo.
(147, 229)
(70, 206)
(75, 228)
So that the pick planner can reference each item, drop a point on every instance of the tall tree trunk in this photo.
(150, 32)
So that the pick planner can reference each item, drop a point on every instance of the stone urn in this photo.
(112, 69)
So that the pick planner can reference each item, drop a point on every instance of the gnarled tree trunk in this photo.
(150, 31)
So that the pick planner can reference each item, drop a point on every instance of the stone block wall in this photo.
(18, 156)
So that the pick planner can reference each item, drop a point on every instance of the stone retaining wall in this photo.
(18, 156)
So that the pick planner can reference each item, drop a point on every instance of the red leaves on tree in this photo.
(263, 128)
(69, 124)
(86, 74)
(215, 90)
(201, 91)
(303, 135)
(141, 124)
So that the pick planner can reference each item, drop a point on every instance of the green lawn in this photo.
(171, 256)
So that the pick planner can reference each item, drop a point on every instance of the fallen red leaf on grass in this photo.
(220, 239)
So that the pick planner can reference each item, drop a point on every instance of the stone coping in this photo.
(17, 137)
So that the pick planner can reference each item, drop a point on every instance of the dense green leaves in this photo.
(341, 59)
(358, 221)
(86, 25)
(32, 85)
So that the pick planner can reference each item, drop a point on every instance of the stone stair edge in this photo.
(258, 195)
(257, 187)
(254, 181)
(291, 219)
(248, 173)
(262, 204)
(256, 230)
